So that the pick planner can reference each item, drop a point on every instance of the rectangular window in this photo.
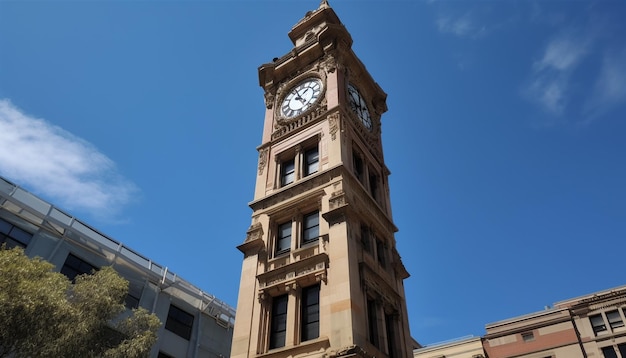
(622, 349)
(380, 252)
(13, 236)
(374, 186)
(390, 326)
(311, 161)
(134, 295)
(310, 313)
(278, 323)
(311, 227)
(75, 266)
(528, 336)
(609, 352)
(372, 322)
(597, 323)
(615, 320)
(179, 322)
(365, 239)
(283, 238)
(357, 164)
(287, 172)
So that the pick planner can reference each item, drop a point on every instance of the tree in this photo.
(42, 314)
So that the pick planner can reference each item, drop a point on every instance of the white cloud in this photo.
(59, 165)
(550, 92)
(610, 86)
(563, 53)
(462, 26)
(549, 83)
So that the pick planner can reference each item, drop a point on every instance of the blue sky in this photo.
(504, 135)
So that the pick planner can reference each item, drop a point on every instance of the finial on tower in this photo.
(324, 4)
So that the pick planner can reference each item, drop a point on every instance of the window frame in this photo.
(76, 270)
(358, 166)
(366, 241)
(610, 350)
(305, 238)
(391, 331)
(278, 321)
(8, 235)
(310, 313)
(372, 322)
(619, 322)
(310, 160)
(178, 323)
(528, 336)
(381, 252)
(595, 326)
(282, 237)
(287, 171)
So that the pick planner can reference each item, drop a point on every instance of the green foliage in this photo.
(42, 314)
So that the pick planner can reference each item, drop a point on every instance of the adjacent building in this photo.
(195, 323)
(465, 347)
(321, 276)
(589, 326)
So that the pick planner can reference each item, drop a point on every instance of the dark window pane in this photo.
(365, 239)
(380, 252)
(311, 227)
(390, 326)
(5, 226)
(609, 352)
(13, 236)
(374, 186)
(311, 159)
(597, 323)
(287, 172)
(357, 163)
(622, 349)
(372, 322)
(310, 312)
(615, 320)
(75, 266)
(179, 322)
(278, 324)
(283, 240)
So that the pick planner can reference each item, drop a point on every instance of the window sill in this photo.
(312, 345)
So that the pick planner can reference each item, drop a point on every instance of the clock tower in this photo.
(321, 276)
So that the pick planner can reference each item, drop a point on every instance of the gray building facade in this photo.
(195, 323)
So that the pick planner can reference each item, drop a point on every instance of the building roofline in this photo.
(73, 228)
(448, 343)
(592, 297)
(527, 316)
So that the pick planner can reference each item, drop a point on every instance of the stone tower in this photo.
(321, 276)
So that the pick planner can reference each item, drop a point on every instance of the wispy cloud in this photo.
(549, 84)
(563, 53)
(462, 26)
(59, 165)
(609, 89)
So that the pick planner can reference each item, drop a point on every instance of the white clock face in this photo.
(358, 105)
(301, 97)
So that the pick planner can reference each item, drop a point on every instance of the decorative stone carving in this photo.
(284, 128)
(337, 199)
(334, 124)
(263, 156)
(349, 351)
(329, 63)
(269, 99)
(254, 232)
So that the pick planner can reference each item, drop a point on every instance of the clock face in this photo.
(358, 105)
(301, 97)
